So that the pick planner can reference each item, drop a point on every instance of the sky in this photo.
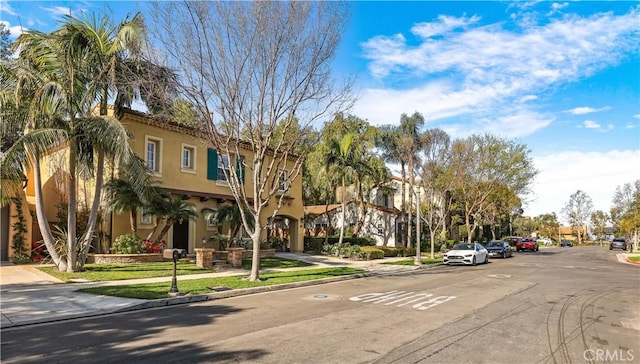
(563, 78)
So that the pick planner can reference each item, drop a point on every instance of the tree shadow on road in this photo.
(138, 336)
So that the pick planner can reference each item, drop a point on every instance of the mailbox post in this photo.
(174, 254)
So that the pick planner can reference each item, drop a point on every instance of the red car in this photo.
(527, 244)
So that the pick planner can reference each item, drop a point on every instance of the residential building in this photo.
(185, 166)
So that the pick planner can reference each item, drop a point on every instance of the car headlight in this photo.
(468, 255)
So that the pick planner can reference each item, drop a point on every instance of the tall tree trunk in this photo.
(403, 207)
(409, 222)
(343, 212)
(43, 223)
(133, 221)
(72, 250)
(255, 257)
(93, 215)
(164, 231)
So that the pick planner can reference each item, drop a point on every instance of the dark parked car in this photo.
(564, 243)
(499, 248)
(618, 243)
(527, 244)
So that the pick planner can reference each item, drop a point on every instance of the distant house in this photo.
(379, 223)
(569, 233)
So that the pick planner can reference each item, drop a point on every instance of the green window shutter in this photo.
(212, 164)
(240, 168)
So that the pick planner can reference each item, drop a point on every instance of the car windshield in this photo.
(494, 244)
(463, 247)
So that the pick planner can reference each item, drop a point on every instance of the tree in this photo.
(341, 158)
(437, 182)
(63, 73)
(388, 142)
(548, 225)
(5, 43)
(124, 197)
(226, 214)
(172, 210)
(482, 164)
(577, 212)
(409, 144)
(625, 212)
(599, 220)
(249, 68)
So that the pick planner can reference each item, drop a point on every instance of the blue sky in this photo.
(561, 77)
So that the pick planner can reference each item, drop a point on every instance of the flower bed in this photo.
(124, 258)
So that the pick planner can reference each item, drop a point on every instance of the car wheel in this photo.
(473, 261)
(504, 255)
(537, 248)
(486, 259)
(610, 248)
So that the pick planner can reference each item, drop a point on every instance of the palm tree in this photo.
(341, 157)
(227, 214)
(388, 141)
(124, 197)
(68, 70)
(173, 210)
(409, 145)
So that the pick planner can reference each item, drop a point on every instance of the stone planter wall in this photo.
(124, 258)
(263, 253)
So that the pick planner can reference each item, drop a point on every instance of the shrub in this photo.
(370, 253)
(128, 244)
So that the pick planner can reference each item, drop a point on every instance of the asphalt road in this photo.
(558, 305)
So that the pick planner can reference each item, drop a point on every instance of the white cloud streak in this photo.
(5, 8)
(586, 110)
(473, 72)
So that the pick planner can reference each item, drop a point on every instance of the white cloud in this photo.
(444, 25)
(5, 8)
(558, 6)
(597, 174)
(590, 124)
(586, 110)
(526, 98)
(14, 31)
(637, 116)
(58, 10)
(479, 71)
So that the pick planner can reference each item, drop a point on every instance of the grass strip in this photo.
(412, 261)
(117, 272)
(634, 258)
(207, 285)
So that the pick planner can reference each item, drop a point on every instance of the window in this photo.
(153, 153)
(211, 221)
(379, 228)
(145, 217)
(283, 184)
(223, 165)
(188, 158)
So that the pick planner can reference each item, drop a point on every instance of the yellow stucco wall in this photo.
(193, 184)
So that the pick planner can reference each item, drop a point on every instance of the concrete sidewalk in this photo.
(29, 296)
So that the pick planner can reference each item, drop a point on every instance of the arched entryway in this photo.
(283, 227)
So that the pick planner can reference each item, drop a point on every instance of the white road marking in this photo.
(422, 301)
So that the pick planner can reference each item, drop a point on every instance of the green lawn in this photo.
(412, 261)
(275, 262)
(117, 272)
(206, 285)
(634, 258)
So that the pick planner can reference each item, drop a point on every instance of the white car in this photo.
(467, 254)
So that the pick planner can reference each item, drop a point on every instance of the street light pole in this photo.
(418, 260)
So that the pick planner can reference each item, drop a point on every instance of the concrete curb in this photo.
(181, 300)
